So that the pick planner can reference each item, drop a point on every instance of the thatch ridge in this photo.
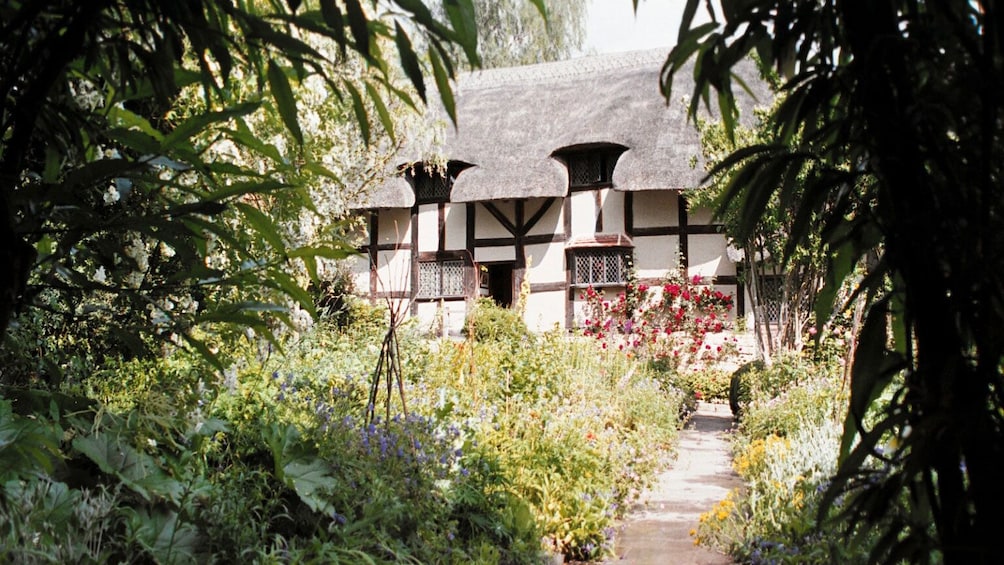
(512, 121)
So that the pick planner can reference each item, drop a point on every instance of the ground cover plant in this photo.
(785, 450)
(507, 449)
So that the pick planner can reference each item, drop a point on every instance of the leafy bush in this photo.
(504, 444)
(488, 321)
(785, 451)
(703, 384)
(740, 387)
(577, 432)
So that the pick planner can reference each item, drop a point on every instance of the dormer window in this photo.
(591, 168)
(433, 184)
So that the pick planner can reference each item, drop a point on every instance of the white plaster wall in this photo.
(656, 208)
(583, 213)
(544, 310)
(393, 271)
(551, 222)
(456, 226)
(428, 227)
(546, 263)
(487, 254)
(452, 316)
(700, 216)
(612, 204)
(485, 224)
(394, 226)
(707, 256)
(654, 256)
(359, 268)
(579, 305)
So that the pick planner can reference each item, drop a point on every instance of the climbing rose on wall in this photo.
(670, 322)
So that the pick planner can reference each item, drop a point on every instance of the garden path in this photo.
(657, 529)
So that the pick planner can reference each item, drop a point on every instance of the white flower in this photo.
(100, 276)
(112, 195)
(136, 251)
(134, 279)
(166, 250)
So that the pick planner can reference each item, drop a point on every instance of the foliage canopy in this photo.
(895, 108)
(117, 209)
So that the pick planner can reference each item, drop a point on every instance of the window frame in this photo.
(441, 260)
(606, 158)
(580, 253)
(419, 175)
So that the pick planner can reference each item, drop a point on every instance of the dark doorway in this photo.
(500, 282)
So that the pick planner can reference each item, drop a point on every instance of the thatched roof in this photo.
(512, 122)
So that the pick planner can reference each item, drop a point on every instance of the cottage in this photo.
(563, 175)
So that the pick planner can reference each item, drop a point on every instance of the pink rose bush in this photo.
(669, 322)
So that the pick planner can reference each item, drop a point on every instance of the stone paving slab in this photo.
(657, 530)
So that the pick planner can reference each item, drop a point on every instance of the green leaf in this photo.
(464, 21)
(27, 446)
(333, 17)
(199, 123)
(203, 350)
(284, 283)
(311, 478)
(420, 11)
(135, 469)
(381, 108)
(362, 118)
(53, 165)
(121, 117)
(842, 264)
(134, 139)
(409, 60)
(243, 136)
(285, 102)
(872, 371)
(542, 8)
(326, 252)
(163, 535)
(264, 225)
(246, 187)
(443, 84)
(359, 26)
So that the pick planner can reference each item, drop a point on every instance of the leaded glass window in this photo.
(591, 168)
(432, 188)
(771, 297)
(593, 267)
(433, 184)
(441, 279)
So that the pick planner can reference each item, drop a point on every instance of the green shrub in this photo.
(489, 322)
(740, 386)
(506, 443)
(710, 385)
(785, 451)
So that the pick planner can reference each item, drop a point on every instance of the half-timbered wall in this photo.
(529, 238)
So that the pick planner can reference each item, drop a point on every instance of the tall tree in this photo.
(107, 187)
(782, 289)
(514, 32)
(524, 32)
(897, 106)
